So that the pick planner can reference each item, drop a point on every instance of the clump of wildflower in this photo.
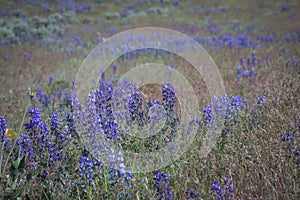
(247, 69)
(261, 99)
(6, 137)
(86, 169)
(169, 98)
(3, 127)
(223, 111)
(56, 128)
(162, 184)
(135, 108)
(192, 194)
(285, 7)
(223, 191)
(290, 140)
(38, 138)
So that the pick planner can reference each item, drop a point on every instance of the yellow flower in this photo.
(10, 134)
(31, 94)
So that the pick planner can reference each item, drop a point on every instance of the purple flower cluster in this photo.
(247, 69)
(3, 127)
(56, 129)
(53, 95)
(285, 7)
(97, 126)
(223, 192)
(88, 167)
(71, 6)
(223, 109)
(38, 139)
(169, 98)
(192, 194)
(261, 99)
(135, 108)
(162, 184)
(292, 62)
(103, 106)
(5, 141)
(290, 140)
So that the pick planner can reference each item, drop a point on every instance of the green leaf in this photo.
(17, 166)
(14, 194)
(28, 177)
(21, 164)
(13, 171)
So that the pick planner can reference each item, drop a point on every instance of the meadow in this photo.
(55, 146)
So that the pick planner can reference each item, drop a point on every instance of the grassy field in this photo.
(255, 45)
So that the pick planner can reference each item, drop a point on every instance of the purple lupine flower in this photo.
(86, 169)
(225, 191)
(285, 7)
(295, 60)
(286, 137)
(252, 72)
(54, 124)
(46, 172)
(238, 69)
(237, 102)
(290, 141)
(248, 61)
(217, 190)
(153, 102)
(261, 99)
(56, 128)
(3, 127)
(43, 99)
(27, 56)
(84, 8)
(35, 124)
(70, 126)
(162, 184)
(46, 8)
(224, 110)
(115, 68)
(208, 115)
(169, 98)
(6, 143)
(229, 190)
(258, 61)
(287, 37)
(35, 128)
(25, 145)
(245, 73)
(253, 57)
(54, 153)
(135, 107)
(192, 194)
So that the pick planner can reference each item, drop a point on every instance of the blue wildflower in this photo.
(192, 194)
(169, 97)
(285, 7)
(245, 73)
(3, 127)
(162, 184)
(86, 169)
(238, 69)
(225, 191)
(261, 99)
